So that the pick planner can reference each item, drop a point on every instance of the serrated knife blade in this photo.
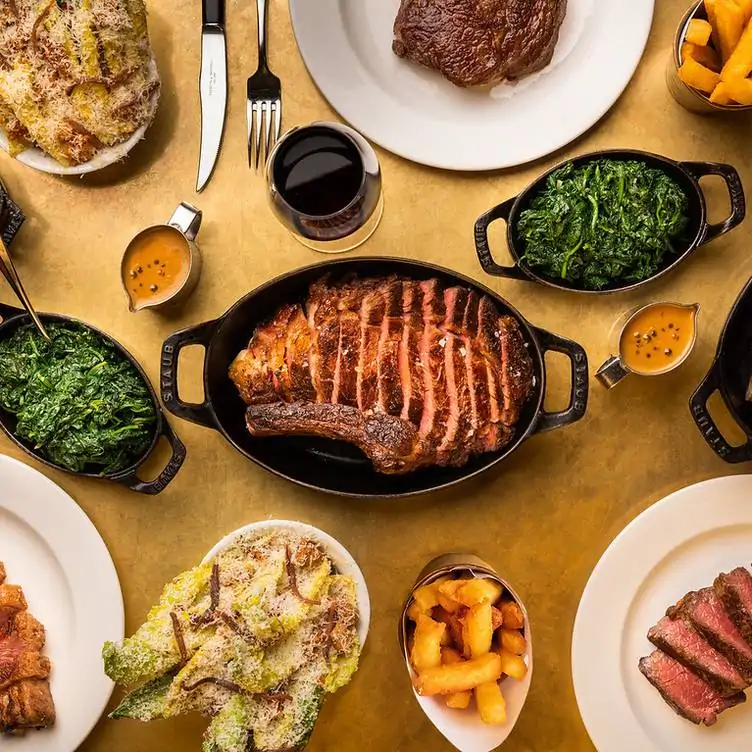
(213, 88)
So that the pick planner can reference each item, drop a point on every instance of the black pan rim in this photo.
(331, 266)
(18, 320)
(638, 155)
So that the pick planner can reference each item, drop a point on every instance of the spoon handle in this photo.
(9, 272)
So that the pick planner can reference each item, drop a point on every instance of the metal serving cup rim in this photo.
(463, 728)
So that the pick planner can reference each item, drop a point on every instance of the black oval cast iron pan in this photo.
(331, 466)
(13, 318)
(730, 375)
(686, 174)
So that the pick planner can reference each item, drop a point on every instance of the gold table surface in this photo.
(543, 520)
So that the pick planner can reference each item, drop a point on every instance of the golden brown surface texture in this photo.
(543, 521)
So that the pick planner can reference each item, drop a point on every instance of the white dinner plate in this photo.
(340, 556)
(39, 160)
(680, 544)
(416, 113)
(53, 551)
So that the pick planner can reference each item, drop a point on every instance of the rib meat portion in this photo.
(482, 42)
(25, 699)
(412, 372)
(684, 691)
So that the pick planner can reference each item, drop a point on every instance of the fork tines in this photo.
(264, 116)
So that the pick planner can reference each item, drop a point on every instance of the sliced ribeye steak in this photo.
(684, 691)
(735, 591)
(677, 638)
(412, 372)
(482, 42)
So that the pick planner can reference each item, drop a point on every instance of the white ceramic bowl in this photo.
(343, 561)
(40, 160)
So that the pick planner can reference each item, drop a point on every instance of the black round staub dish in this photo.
(730, 375)
(326, 465)
(13, 318)
(686, 174)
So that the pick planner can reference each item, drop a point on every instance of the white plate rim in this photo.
(341, 557)
(621, 70)
(37, 159)
(97, 597)
(677, 518)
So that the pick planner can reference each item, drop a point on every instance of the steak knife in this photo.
(213, 87)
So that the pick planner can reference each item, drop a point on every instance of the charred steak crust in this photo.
(735, 592)
(479, 43)
(428, 374)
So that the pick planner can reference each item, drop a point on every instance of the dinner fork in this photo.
(264, 108)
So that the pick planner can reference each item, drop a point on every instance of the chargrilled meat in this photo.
(25, 699)
(735, 591)
(684, 691)
(411, 372)
(479, 43)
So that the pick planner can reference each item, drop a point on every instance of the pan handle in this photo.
(736, 192)
(130, 478)
(9, 311)
(578, 399)
(698, 405)
(168, 374)
(482, 245)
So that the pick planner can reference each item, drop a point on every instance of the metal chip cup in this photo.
(463, 728)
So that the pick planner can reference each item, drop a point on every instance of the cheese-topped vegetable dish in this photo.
(254, 638)
(76, 76)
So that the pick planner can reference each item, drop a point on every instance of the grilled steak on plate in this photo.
(481, 42)
(735, 591)
(411, 372)
(684, 691)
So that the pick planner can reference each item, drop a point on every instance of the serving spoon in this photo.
(8, 269)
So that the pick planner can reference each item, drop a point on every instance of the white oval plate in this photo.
(40, 160)
(680, 544)
(53, 551)
(416, 113)
(341, 557)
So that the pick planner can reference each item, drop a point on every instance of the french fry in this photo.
(512, 615)
(459, 700)
(706, 56)
(513, 642)
(746, 6)
(491, 705)
(459, 677)
(477, 630)
(512, 665)
(479, 590)
(414, 611)
(738, 89)
(453, 622)
(739, 65)
(698, 76)
(447, 595)
(426, 652)
(698, 32)
(729, 25)
(427, 597)
(720, 95)
(497, 618)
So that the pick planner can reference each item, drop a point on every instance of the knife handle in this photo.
(214, 13)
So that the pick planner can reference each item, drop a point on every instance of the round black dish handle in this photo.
(130, 478)
(698, 404)
(578, 398)
(168, 374)
(736, 192)
(483, 248)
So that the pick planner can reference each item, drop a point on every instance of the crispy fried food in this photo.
(512, 665)
(459, 700)
(491, 705)
(706, 56)
(479, 590)
(447, 595)
(698, 76)
(513, 642)
(727, 20)
(426, 651)
(698, 32)
(459, 677)
(739, 64)
(512, 615)
(720, 95)
(477, 630)
(738, 89)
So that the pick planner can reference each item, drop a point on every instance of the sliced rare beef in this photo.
(735, 591)
(440, 359)
(704, 610)
(684, 691)
(681, 641)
